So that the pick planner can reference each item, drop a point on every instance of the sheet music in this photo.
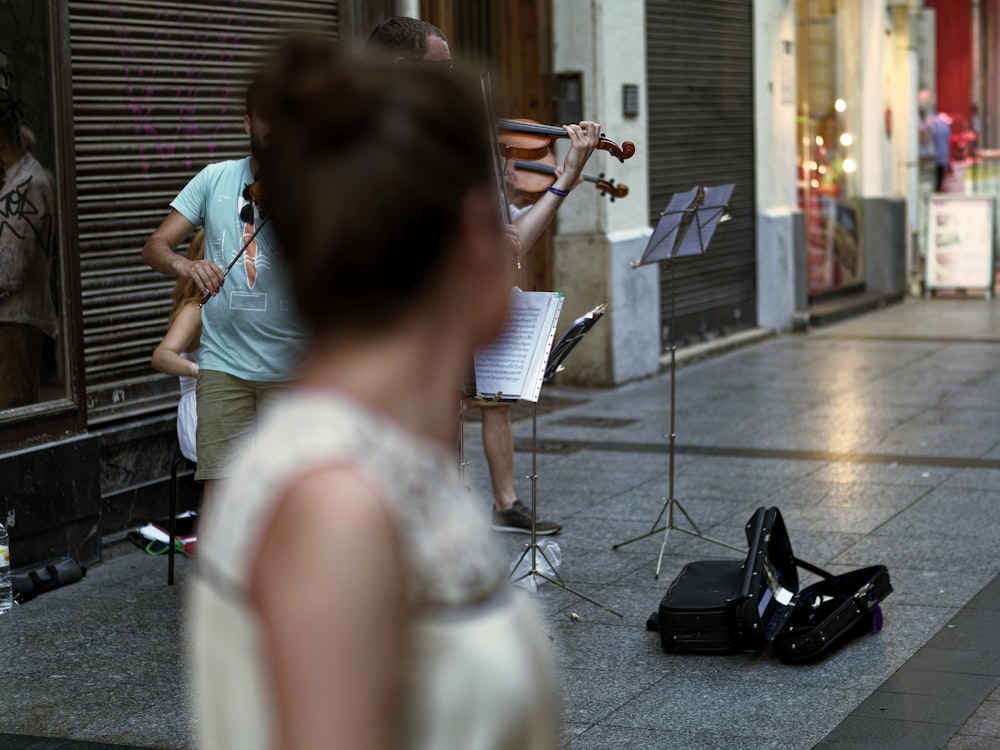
(709, 215)
(681, 201)
(571, 338)
(514, 365)
(585, 318)
(661, 244)
(718, 196)
(687, 224)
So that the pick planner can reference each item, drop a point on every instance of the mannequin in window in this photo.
(27, 312)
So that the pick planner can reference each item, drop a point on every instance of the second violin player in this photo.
(530, 179)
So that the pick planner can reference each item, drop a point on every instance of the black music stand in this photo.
(684, 230)
(573, 336)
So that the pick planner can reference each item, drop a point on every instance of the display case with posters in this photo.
(960, 244)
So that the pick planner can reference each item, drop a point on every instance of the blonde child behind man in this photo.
(178, 352)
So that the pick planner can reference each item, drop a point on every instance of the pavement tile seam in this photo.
(776, 453)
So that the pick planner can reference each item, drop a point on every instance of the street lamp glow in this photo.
(840, 105)
(850, 166)
(846, 139)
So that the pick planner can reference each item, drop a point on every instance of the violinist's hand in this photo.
(205, 274)
(583, 140)
(513, 237)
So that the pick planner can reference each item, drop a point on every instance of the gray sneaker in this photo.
(517, 520)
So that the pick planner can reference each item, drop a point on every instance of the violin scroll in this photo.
(621, 153)
(609, 187)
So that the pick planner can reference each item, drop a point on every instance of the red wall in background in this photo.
(954, 56)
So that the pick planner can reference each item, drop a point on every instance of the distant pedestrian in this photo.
(935, 138)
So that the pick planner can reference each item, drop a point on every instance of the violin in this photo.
(255, 192)
(533, 178)
(528, 140)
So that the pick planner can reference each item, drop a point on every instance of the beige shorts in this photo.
(228, 408)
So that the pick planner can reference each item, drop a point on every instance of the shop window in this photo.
(828, 161)
(37, 273)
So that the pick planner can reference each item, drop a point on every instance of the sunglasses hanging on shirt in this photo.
(253, 194)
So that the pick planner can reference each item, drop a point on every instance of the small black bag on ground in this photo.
(719, 606)
(31, 581)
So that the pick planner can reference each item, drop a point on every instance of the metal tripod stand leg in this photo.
(670, 502)
(534, 547)
(461, 441)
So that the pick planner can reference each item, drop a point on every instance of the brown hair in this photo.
(403, 35)
(367, 169)
(250, 97)
(186, 290)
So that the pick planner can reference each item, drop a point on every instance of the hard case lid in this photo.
(771, 579)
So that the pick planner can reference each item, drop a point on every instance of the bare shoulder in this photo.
(190, 316)
(336, 494)
(329, 524)
(329, 588)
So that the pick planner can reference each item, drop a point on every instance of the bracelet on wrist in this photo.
(556, 191)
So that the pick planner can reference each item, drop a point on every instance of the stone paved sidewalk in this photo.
(879, 440)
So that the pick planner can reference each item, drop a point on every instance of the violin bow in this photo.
(498, 160)
(239, 255)
(499, 163)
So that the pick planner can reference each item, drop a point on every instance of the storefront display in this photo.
(827, 154)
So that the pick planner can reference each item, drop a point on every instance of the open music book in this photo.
(513, 366)
(573, 336)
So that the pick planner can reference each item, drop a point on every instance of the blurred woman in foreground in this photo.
(349, 593)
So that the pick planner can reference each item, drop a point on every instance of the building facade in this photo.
(808, 107)
(126, 101)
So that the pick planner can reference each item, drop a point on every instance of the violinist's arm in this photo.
(160, 252)
(583, 140)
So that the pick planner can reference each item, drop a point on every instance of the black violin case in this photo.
(719, 606)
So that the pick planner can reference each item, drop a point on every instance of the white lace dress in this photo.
(478, 674)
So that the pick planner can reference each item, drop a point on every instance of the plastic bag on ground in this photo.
(548, 557)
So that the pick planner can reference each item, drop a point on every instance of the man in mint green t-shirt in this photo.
(251, 340)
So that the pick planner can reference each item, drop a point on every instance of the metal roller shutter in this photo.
(158, 92)
(701, 132)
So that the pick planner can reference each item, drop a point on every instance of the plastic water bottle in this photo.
(6, 592)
